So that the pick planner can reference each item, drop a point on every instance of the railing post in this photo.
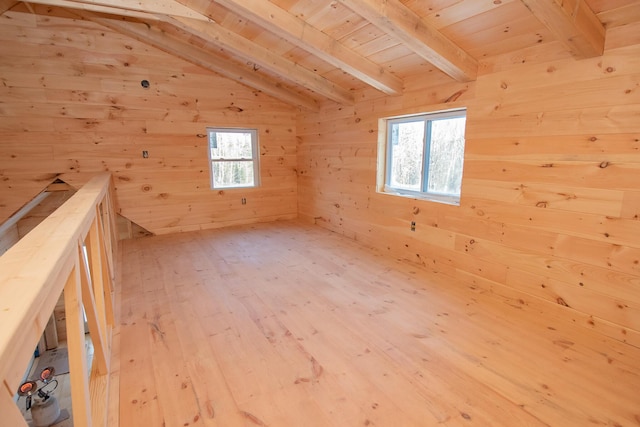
(101, 263)
(97, 325)
(78, 366)
(9, 411)
(93, 245)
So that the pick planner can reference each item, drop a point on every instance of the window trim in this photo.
(255, 156)
(385, 156)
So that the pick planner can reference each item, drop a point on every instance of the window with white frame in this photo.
(234, 157)
(423, 156)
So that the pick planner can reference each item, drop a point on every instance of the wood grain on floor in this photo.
(285, 324)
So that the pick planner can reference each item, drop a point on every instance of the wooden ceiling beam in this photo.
(160, 40)
(73, 5)
(6, 5)
(262, 57)
(299, 33)
(573, 23)
(397, 20)
(133, 8)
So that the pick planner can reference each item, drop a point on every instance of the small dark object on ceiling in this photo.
(145, 84)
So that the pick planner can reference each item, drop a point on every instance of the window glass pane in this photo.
(407, 147)
(230, 145)
(233, 174)
(446, 156)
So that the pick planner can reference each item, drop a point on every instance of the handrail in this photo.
(71, 250)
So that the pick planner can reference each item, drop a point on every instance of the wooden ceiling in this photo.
(304, 52)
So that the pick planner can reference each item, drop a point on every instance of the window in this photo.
(234, 157)
(423, 156)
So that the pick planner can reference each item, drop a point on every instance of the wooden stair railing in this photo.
(71, 250)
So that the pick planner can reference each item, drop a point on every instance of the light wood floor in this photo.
(286, 324)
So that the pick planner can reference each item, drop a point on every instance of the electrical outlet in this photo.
(244, 201)
(413, 226)
(145, 154)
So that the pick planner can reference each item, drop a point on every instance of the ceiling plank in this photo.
(164, 7)
(132, 8)
(299, 33)
(260, 56)
(6, 5)
(158, 39)
(573, 23)
(425, 40)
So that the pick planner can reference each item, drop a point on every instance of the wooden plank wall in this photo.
(550, 206)
(72, 105)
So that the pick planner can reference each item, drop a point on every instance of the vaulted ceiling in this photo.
(306, 51)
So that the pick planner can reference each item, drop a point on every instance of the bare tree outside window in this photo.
(425, 155)
(407, 142)
(233, 154)
(446, 156)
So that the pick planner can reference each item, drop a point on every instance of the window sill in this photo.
(429, 197)
(237, 187)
